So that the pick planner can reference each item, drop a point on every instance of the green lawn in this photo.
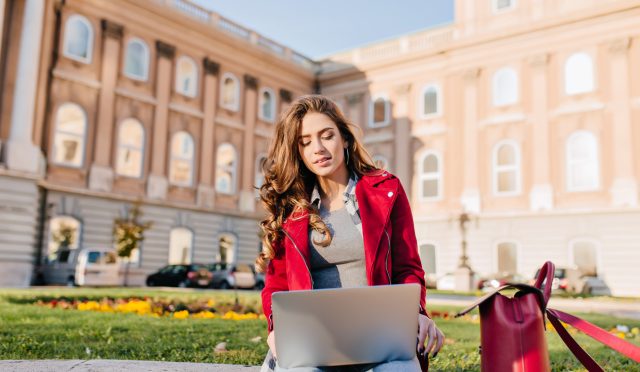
(30, 331)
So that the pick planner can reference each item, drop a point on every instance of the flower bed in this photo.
(198, 309)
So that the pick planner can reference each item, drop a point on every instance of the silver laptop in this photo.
(330, 327)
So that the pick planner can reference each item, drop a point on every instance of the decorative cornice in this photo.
(402, 89)
(471, 74)
(210, 67)
(111, 29)
(165, 50)
(620, 45)
(354, 98)
(285, 95)
(251, 82)
(538, 60)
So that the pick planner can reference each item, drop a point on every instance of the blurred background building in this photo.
(523, 115)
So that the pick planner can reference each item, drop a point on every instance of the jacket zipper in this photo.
(386, 260)
(300, 253)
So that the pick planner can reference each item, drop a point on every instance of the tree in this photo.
(128, 233)
(65, 236)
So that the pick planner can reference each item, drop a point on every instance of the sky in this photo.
(317, 28)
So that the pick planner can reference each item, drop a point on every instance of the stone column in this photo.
(402, 133)
(285, 101)
(624, 191)
(470, 199)
(247, 194)
(354, 112)
(206, 193)
(541, 195)
(21, 153)
(101, 172)
(157, 184)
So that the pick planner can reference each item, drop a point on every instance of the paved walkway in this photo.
(117, 365)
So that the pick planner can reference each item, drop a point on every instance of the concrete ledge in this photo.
(96, 365)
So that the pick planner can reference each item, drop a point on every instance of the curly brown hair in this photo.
(288, 182)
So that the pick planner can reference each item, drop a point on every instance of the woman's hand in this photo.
(427, 328)
(271, 341)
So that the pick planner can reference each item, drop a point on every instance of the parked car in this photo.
(82, 267)
(226, 276)
(188, 275)
(497, 280)
(572, 280)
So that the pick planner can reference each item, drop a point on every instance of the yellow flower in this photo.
(620, 334)
(184, 314)
(204, 315)
(635, 330)
(211, 303)
(89, 306)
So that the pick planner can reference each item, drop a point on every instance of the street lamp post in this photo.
(464, 273)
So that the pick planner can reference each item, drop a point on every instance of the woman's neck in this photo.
(333, 186)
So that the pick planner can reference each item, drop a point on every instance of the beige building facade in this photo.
(524, 114)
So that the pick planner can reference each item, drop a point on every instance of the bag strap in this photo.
(547, 272)
(524, 288)
(623, 347)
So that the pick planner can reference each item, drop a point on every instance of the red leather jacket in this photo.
(390, 247)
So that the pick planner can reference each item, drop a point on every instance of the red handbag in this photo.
(512, 329)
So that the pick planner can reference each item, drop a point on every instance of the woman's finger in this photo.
(439, 344)
(422, 336)
(431, 332)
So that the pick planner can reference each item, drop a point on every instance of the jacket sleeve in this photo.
(275, 280)
(406, 264)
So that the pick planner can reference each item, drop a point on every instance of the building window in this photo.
(78, 39)
(69, 137)
(259, 178)
(380, 161)
(428, 258)
(583, 169)
(227, 248)
(506, 168)
(130, 155)
(267, 103)
(430, 102)
(505, 87)
(578, 74)
(181, 162)
(379, 112)
(64, 234)
(186, 77)
(507, 258)
(226, 169)
(584, 256)
(230, 96)
(500, 5)
(136, 62)
(430, 177)
(180, 246)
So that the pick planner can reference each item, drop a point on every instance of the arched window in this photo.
(227, 248)
(186, 77)
(180, 246)
(578, 74)
(259, 179)
(267, 103)
(64, 234)
(78, 39)
(430, 176)
(70, 135)
(230, 92)
(130, 155)
(507, 256)
(379, 112)
(506, 168)
(380, 161)
(501, 5)
(226, 169)
(505, 87)
(584, 256)
(583, 169)
(136, 60)
(430, 102)
(428, 258)
(181, 163)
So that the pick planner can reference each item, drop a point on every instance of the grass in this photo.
(29, 331)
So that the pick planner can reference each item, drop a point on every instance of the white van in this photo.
(85, 266)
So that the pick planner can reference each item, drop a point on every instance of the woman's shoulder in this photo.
(377, 176)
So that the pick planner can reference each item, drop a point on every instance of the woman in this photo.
(325, 201)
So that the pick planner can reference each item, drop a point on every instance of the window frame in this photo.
(178, 80)
(90, 39)
(191, 246)
(496, 10)
(497, 169)
(236, 105)
(387, 111)
(142, 148)
(421, 104)
(261, 102)
(146, 59)
(569, 72)
(84, 137)
(425, 176)
(234, 172)
(496, 255)
(568, 162)
(496, 93)
(172, 157)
